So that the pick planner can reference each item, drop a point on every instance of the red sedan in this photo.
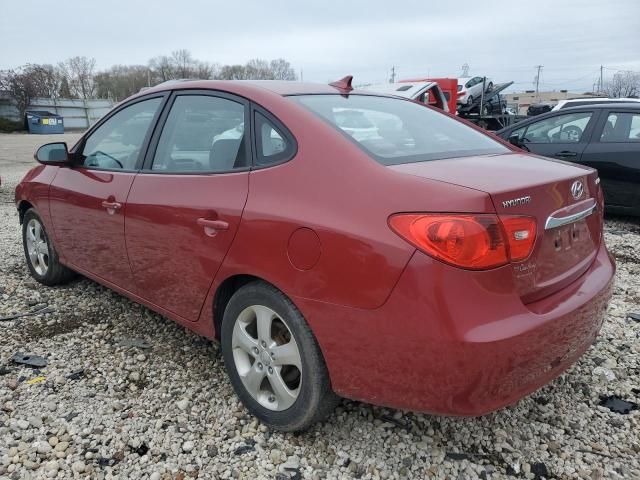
(336, 242)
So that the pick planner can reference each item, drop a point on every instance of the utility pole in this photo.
(393, 74)
(301, 76)
(601, 86)
(539, 67)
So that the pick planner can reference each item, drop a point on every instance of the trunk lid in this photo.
(567, 238)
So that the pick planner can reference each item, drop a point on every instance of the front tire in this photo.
(41, 256)
(273, 360)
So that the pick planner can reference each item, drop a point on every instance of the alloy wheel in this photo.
(37, 247)
(267, 357)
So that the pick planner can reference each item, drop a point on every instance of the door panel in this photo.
(184, 208)
(174, 243)
(90, 235)
(615, 153)
(88, 200)
(563, 136)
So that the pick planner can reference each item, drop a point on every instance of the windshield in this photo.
(395, 131)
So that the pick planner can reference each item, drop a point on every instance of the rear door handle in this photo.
(566, 153)
(212, 227)
(111, 206)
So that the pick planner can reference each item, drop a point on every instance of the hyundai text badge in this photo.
(577, 190)
(514, 202)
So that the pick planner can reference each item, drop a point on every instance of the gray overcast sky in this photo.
(328, 39)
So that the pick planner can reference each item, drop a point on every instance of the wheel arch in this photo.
(23, 206)
(225, 291)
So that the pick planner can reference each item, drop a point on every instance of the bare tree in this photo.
(79, 74)
(121, 81)
(623, 84)
(282, 70)
(233, 72)
(183, 63)
(28, 82)
(162, 69)
(258, 69)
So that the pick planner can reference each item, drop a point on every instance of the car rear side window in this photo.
(621, 127)
(273, 145)
(395, 131)
(202, 134)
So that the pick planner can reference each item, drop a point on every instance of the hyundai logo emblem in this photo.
(577, 190)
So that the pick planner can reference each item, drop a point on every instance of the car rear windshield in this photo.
(395, 131)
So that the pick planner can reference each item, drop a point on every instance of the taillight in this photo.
(476, 242)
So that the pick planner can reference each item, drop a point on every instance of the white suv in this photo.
(577, 102)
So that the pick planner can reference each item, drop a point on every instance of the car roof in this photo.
(280, 87)
(600, 99)
(616, 105)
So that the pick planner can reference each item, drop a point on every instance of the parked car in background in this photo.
(470, 89)
(494, 106)
(577, 102)
(539, 109)
(428, 92)
(602, 136)
(426, 266)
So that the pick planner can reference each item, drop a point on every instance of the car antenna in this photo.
(343, 84)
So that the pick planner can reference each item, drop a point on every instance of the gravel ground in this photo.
(104, 409)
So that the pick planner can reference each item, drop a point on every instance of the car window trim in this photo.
(78, 147)
(603, 121)
(155, 138)
(280, 126)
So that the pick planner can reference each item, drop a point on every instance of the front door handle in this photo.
(212, 227)
(566, 153)
(111, 207)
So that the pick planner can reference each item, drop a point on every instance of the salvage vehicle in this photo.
(471, 88)
(604, 136)
(426, 92)
(429, 267)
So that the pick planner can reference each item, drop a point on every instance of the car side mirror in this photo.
(53, 154)
(514, 139)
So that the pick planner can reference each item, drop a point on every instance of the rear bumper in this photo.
(458, 343)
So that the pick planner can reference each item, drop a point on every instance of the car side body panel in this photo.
(359, 259)
(458, 345)
(88, 234)
(165, 240)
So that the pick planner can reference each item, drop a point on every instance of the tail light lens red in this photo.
(475, 242)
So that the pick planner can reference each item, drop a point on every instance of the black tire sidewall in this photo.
(313, 371)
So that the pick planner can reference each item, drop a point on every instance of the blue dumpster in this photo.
(44, 122)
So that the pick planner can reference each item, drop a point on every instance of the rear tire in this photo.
(41, 256)
(273, 360)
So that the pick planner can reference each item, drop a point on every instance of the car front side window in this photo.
(116, 144)
(567, 128)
